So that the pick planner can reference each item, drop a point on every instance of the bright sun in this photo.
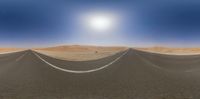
(100, 22)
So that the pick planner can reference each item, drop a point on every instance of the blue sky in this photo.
(35, 23)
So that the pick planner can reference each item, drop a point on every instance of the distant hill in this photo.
(81, 48)
(9, 49)
(168, 50)
(79, 52)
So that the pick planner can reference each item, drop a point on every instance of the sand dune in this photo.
(168, 50)
(9, 49)
(80, 53)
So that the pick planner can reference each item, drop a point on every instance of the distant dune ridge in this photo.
(86, 52)
(80, 53)
(168, 50)
(78, 48)
(10, 49)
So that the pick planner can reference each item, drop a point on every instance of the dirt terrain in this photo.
(168, 50)
(80, 53)
(3, 50)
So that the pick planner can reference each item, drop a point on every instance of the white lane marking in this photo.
(20, 57)
(79, 71)
(152, 64)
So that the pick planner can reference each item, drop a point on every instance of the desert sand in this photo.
(173, 51)
(3, 50)
(79, 53)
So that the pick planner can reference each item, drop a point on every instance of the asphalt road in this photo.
(127, 75)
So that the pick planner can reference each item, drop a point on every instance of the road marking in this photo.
(147, 61)
(20, 57)
(85, 71)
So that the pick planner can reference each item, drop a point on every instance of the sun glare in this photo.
(98, 23)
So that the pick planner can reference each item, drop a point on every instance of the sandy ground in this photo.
(3, 50)
(173, 51)
(80, 53)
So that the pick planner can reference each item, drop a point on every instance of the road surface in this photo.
(131, 74)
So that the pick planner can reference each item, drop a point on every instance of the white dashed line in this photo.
(148, 62)
(20, 57)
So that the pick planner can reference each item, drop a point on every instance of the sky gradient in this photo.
(37, 23)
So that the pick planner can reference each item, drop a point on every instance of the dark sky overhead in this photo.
(35, 23)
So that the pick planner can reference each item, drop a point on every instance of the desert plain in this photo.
(88, 52)
(80, 53)
(5, 50)
(84, 53)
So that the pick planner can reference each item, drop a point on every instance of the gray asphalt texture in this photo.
(136, 75)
